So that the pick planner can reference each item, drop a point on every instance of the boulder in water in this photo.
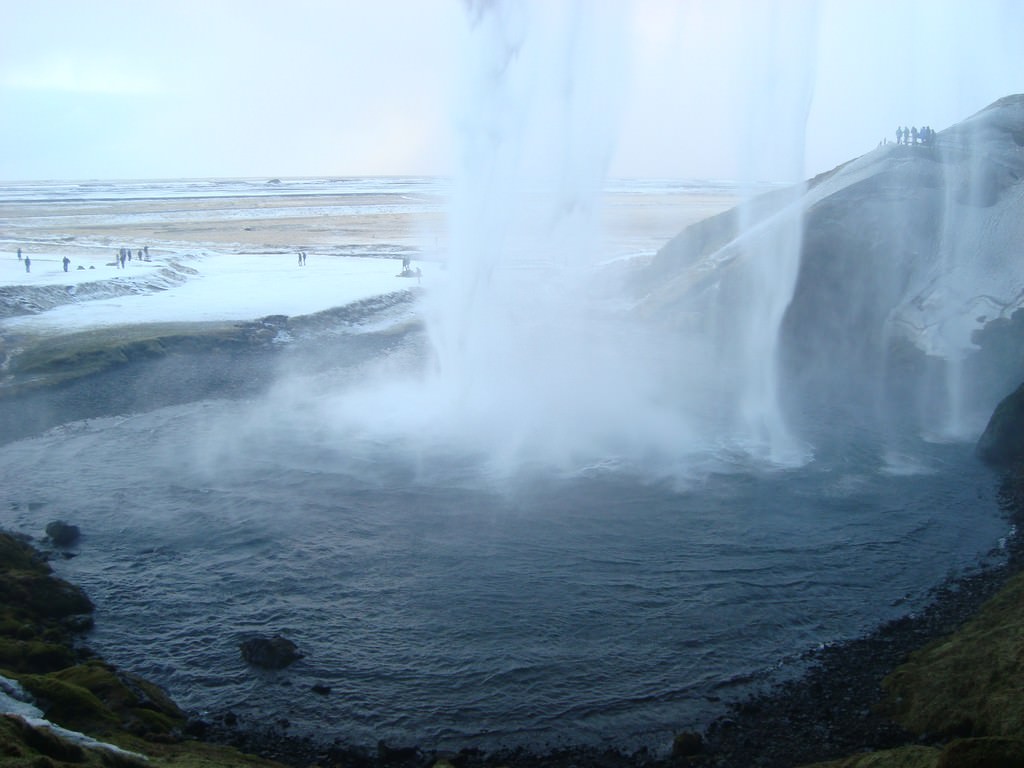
(270, 653)
(1002, 442)
(62, 534)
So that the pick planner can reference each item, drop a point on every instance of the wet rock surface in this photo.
(62, 534)
(1002, 442)
(269, 652)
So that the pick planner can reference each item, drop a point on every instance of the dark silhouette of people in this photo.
(66, 261)
(19, 254)
(908, 136)
(300, 258)
(28, 263)
(303, 258)
(123, 258)
(146, 252)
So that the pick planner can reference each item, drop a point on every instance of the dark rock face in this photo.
(270, 653)
(998, 362)
(1002, 443)
(62, 534)
(907, 257)
(46, 742)
(906, 253)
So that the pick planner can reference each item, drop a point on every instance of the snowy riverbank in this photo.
(208, 287)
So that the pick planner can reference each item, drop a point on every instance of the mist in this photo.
(537, 351)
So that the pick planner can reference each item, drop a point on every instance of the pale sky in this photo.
(770, 89)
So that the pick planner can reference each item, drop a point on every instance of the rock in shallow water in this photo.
(62, 534)
(270, 653)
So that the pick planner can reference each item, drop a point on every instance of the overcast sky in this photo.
(672, 88)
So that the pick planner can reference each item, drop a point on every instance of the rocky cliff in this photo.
(905, 256)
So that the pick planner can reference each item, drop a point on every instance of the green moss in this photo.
(42, 742)
(902, 757)
(14, 627)
(983, 753)
(95, 695)
(33, 656)
(142, 706)
(54, 598)
(68, 704)
(28, 587)
(34, 608)
(971, 683)
(16, 555)
(24, 746)
(40, 361)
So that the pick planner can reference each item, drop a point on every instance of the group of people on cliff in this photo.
(915, 136)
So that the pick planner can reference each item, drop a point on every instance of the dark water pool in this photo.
(445, 606)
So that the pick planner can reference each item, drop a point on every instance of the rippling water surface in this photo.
(443, 605)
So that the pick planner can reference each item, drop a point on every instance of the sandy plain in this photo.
(90, 232)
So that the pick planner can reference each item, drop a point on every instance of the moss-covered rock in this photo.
(62, 534)
(33, 655)
(97, 697)
(42, 741)
(982, 753)
(69, 705)
(43, 361)
(970, 683)
(960, 753)
(23, 745)
(36, 611)
(17, 555)
(913, 756)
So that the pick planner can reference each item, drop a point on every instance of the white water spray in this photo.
(533, 363)
(524, 354)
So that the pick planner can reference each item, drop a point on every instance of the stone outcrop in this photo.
(62, 534)
(905, 254)
(269, 652)
(1002, 442)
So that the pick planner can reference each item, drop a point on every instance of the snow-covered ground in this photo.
(226, 250)
(208, 287)
(14, 700)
